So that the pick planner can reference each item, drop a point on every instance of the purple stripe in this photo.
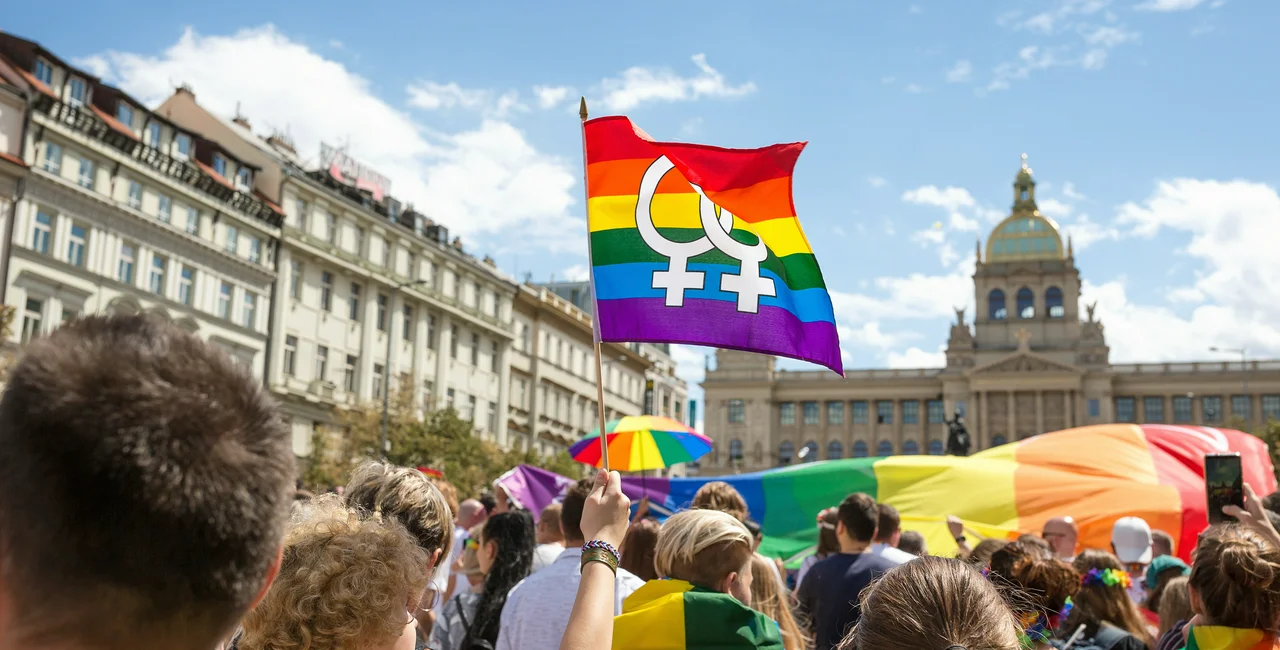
(719, 324)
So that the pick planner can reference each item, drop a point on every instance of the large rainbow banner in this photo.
(1095, 474)
(701, 245)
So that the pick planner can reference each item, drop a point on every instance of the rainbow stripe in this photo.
(675, 615)
(752, 184)
(1211, 637)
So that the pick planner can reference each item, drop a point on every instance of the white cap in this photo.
(1131, 537)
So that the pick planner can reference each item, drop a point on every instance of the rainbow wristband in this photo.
(603, 546)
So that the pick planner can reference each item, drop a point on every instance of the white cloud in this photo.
(914, 89)
(1048, 22)
(916, 358)
(1071, 40)
(876, 181)
(869, 334)
(1069, 191)
(432, 96)
(1169, 5)
(638, 85)
(95, 65)
(1085, 232)
(951, 198)
(575, 273)
(1107, 36)
(1054, 208)
(1094, 59)
(550, 96)
(961, 72)
(1030, 59)
(1185, 294)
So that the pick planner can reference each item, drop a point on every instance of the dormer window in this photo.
(1024, 194)
(242, 178)
(182, 145)
(44, 72)
(124, 113)
(153, 135)
(75, 92)
(220, 165)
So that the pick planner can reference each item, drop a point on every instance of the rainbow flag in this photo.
(1212, 637)
(675, 615)
(701, 245)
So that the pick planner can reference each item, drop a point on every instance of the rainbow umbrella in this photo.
(643, 442)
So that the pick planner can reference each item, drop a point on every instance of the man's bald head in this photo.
(1062, 536)
(470, 513)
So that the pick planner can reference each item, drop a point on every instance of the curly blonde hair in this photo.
(345, 582)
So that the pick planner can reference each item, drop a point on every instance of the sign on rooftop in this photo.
(346, 169)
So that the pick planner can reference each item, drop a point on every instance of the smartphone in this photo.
(1223, 484)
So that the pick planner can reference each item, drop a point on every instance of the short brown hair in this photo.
(888, 522)
(1031, 579)
(550, 517)
(1175, 603)
(860, 516)
(1236, 572)
(718, 495)
(144, 485)
(702, 547)
(408, 495)
(450, 494)
(639, 547)
(575, 498)
(930, 603)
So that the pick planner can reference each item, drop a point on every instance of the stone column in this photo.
(1168, 408)
(1013, 417)
(535, 382)
(420, 344)
(897, 426)
(444, 335)
(1039, 410)
(504, 393)
(395, 330)
(1068, 407)
(984, 426)
(281, 309)
(368, 343)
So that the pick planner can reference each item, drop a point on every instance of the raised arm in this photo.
(604, 518)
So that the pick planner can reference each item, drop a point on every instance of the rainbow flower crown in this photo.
(1106, 578)
(1038, 628)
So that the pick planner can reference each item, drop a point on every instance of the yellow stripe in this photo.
(782, 236)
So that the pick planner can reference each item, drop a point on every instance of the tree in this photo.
(441, 440)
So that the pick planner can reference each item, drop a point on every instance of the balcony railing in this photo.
(87, 123)
(1262, 365)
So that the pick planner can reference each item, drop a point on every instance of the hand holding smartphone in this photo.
(1223, 484)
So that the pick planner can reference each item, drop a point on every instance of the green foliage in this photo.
(1270, 434)
(441, 440)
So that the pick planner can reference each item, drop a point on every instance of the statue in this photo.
(1089, 308)
(959, 315)
(957, 436)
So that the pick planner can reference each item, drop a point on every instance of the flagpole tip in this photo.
(582, 109)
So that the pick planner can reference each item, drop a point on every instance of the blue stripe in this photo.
(634, 280)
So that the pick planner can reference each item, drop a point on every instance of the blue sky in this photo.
(1149, 124)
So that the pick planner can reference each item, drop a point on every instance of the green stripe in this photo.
(671, 450)
(625, 246)
(796, 496)
(715, 620)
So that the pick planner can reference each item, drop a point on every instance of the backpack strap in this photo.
(1108, 636)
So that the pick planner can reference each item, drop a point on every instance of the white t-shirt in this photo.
(892, 553)
(440, 579)
(545, 554)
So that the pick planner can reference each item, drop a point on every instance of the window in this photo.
(186, 282)
(859, 412)
(124, 113)
(1242, 407)
(224, 300)
(295, 279)
(255, 250)
(497, 306)
(322, 362)
(243, 181)
(935, 413)
(153, 134)
(884, 412)
(164, 209)
(493, 357)
(1212, 407)
(386, 253)
(44, 72)
(448, 398)
(786, 450)
(359, 240)
(861, 450)
(835, 450)
(249, 317)
(156, 281)
(997, 441)
(41, 232)
(911, 412)
(1271, 407)
(1026, 303)
(810, 412)
(453, 342)
(182, 145)
(290, 355)
(835, 413)
(353, 301)
(787, 413)
(471, 408)
(31, 319)
(382, 312)
(68, 315)
(135, 195)
(995, 305)
(735, 449)
(492, 416)
(737, 411)
(1053, 303)
(475, 349)
(233, 240)
(220, 165)
(406, 330)
(431, 331)
(935, 448)
(124, 272)
(885, 448)
(330, 227)
(1095, 408)
(809, 452)
(85, 177)
(349, 374)
(1124, 409)
(378, 370)
(75, 91)
(326, 291)
(961, 408)
(193, 221)
(911, 448)
(52, 158)
(1181, 409)
(1153, 409)
(76, 244)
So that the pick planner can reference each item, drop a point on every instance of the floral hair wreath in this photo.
(1106, 578)
(1038, 628)
(823, 524)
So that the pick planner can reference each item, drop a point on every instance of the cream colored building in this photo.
(1028, 363)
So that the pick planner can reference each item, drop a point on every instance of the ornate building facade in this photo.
(1029, 363)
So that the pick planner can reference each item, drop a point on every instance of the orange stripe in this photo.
(769, 200)
(622, 178)
(766, 200)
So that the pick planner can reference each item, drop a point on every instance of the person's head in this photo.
(488, 502)
(757, 533)
(639, 547)
(912, 542)
(858, 519)
(933, 602)
(1102, 596)
(549, 525)
(1235, 579)
(1036, 541)
(470, 513)
(1162, 543)
(410, 497)
(768, 598)
(709, 549)
(1175, 603)
(1162, 569)
(505, 552)
(828, 542)
(145, 481)
(575, 498)
(1036, 586)
(348, 580)
(981, 555)
(469, 563)
(888, 526)
(449, 493)
(718, 495)
(1131, 541)
(1062, 536)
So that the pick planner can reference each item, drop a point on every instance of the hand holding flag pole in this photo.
(595, 312)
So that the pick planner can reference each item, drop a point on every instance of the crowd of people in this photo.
(147, 501)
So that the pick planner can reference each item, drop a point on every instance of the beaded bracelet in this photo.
(604, 546)
(600, 555)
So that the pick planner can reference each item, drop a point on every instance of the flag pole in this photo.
(595, 306)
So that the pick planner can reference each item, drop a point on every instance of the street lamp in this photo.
(386, 374)
(1244, 367)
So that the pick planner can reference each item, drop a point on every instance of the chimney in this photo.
(489, 261)
(186, 88)
(241, 119)
(281, 141)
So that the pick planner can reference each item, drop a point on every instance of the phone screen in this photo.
(1223, 483)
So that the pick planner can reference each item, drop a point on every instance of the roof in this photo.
(270, 204)
(113, 122)
(1024, 237)
(213, 174)
(36, 83)
(13, 159)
